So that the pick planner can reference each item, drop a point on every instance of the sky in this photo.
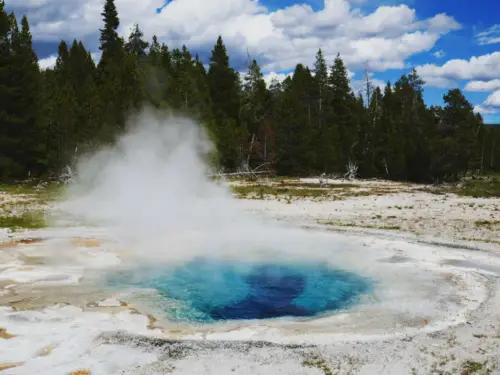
(451, 43)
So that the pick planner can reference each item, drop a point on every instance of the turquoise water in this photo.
(206, 290)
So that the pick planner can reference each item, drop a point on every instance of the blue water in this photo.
(210, 290)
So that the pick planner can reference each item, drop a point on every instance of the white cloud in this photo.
(492, 85)
(491, 104)
(439, 54)
(279, 39)
(485, 110)
(483, 67)
(48, 62)
(489, 36)
(30, 3)
(440, 82)
(493, 100)
(482, 110)
(359, 85)
(269, 77)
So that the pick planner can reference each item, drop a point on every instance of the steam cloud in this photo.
(152, 191)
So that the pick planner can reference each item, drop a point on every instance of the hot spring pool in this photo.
(206, 291)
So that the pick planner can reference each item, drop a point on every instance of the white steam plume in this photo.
(153, 188)
(152, 192)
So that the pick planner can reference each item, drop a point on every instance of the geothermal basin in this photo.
(150, 267)
(208, 290)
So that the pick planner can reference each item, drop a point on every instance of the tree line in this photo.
(310, 123)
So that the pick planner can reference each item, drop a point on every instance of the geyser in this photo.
(184, 235)
(207, 290)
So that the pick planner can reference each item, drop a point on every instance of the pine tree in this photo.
(223, 82)
(134, 72)
(25, 88)
(457, 147)
(136, 45)
(60, 109)
(204, 107)
(109, 39)
(295, 147)
(154, 53)
(321, 86)
(255, 112)
(342, 104)
(112, 74)
(325, 131)
(91, 109)
(413, 120)
(111, 45)
(7, 140)
(157, 73)
(394, 161)
(371, 137)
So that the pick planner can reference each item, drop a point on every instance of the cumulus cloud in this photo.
(479, 86)
(485, 110)
(491, 105)
(279, 39)
(483, 67)
(269, 77)
(47, 62)
(489, 36)
(359, 85)
(493, 100)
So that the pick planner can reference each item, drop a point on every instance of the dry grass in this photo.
(151, 322)
(5, 335)
(6, 366)
(353, 225)
(9, 244)
(85, 242)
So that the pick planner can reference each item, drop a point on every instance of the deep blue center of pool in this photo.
(209, 290)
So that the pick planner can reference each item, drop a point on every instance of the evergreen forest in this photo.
(308, 124)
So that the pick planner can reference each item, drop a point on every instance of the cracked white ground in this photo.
(436, 307)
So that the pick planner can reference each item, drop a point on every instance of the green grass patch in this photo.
(367, 193)
(309, 185)
(26, 220)
(48, 192)
(484, 187)
(320, 364)
(472, 367)
(479, 335)
(486, 223)
(262, 190)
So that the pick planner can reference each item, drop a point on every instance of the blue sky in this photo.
(452, 43)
